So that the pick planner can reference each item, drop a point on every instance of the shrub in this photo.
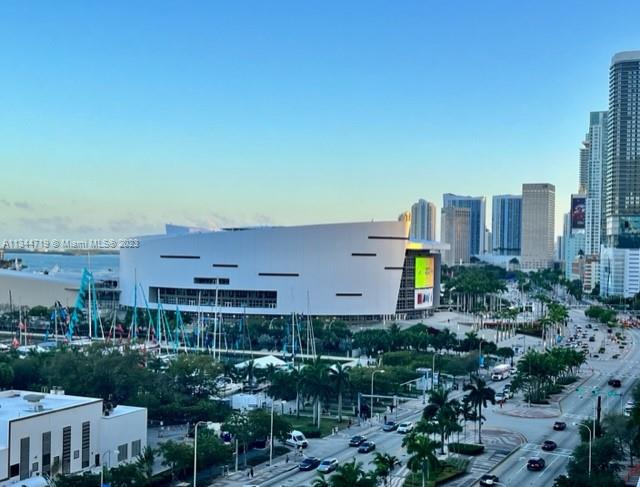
(565, 381)
(466, 448)
(311, 432)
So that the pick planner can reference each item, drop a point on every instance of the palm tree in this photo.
(320, 481)
(479, 394)
(340, 377)
(351, 475)
(422, 450)
(297, 377)
(443, 413)
(316, 386)
(385, 464)
(144, 462)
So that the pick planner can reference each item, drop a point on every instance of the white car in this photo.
(328, 465)
(406, 427)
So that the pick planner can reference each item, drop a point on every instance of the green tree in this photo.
(339, 375)
(478, 394)
(422, 450)
(145, 463)
(385, 464)
(351, 475)
(177, 456)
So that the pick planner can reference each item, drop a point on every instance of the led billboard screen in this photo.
(423, 283)
(578, 212)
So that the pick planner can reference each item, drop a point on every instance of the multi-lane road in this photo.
(575, 407)
(512, 471)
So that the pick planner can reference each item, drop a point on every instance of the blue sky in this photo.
(116, 117)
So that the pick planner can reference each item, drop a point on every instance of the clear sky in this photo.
(116, 117)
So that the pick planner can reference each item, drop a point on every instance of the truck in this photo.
(500, 372)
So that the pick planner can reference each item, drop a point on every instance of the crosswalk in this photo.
(533, 448)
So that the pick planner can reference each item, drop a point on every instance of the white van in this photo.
(296, 439)
(628, 408)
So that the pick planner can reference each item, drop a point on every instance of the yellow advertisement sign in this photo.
(424, 272)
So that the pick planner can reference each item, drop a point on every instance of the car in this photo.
(615, 356)
(508, 393)
(549, 445)
(328, 465)
(366, 447)
(406, 427)
(589, 325)
(357, 440)
(500, 397)
(592, 339)
(536, 464)
(390, 426)
(559, 426)
(308, 463)
(595, 355)
(615, 383)
(488, 479)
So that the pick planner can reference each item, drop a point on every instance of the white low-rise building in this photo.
(48, 434)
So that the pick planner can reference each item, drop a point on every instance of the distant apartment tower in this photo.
(423, 221)
(455, 229)
(597, 143)
(506, 223)
(622, 177)
(476, 206)
(538, 220)
(584, 166)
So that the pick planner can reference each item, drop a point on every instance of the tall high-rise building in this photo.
(574, 237)
(597, 143)
(621, 180)
(476, 206)
(455, 228)
(622, 177)
(584, 166)
(423, 221)
(506, 223)
(538, 220)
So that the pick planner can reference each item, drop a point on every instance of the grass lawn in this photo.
(326, 425)
(446, 473)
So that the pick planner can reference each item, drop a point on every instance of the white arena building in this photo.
(349, 270)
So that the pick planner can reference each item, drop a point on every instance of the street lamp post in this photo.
(270, 437)
(195, 451)
(108, 452)
(433, 369)
(372, 376)
(590, 439)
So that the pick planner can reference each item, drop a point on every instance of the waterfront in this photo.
(67, 263)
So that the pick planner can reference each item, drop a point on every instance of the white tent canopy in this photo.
(263, 362)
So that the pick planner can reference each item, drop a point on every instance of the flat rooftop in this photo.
(16, 404)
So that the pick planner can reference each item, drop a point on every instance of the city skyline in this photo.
(259, 116)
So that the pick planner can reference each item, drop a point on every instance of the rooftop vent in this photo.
(35, 399)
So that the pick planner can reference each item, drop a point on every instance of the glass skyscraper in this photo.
(506, 224)
(476, 206)
(622, 169)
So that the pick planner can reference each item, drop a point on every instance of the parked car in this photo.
(488, 480)
(536, 464)
(500, 397)
(615, 383)
(366, 447)
(549, 445)
(328, 465)
(390, 426)
(308, 463)
(592, 339)
(406, 427)
(559, 426)
(357, 440)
